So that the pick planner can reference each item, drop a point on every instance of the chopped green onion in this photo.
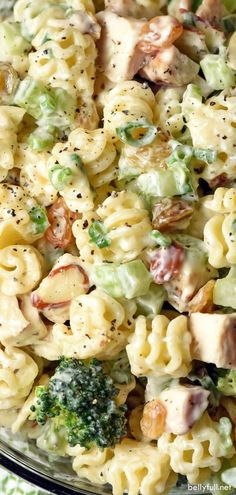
(39, 218)
(161, 239)
(41, 138)
(208, 156)
(60, 176)
(98, 234)
(76, 158)
(229, 23)
(181, 152)
(125, 133)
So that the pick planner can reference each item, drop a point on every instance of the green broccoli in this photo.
(82, 399)
(226, 383)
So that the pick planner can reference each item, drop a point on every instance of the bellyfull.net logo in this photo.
(209, 487)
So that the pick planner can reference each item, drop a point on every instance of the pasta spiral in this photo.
(223, 200)
(77, 193)
(97, 154)
(90, 463)
(16, 225)
(10, 118)
(34, 174)
(137, 467)
(168, 111)
(160, 347)
(196, 453)
(127, 224)
(220, 240)
(129, 101)
(17, 374)
(16, 274)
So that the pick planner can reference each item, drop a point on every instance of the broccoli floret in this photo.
(226, 383)
(83, 397)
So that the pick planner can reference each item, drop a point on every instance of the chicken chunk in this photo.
(211, 11)
(118, 56)
(214, 338)
(135, 8)
(184, 406)
(171, 67)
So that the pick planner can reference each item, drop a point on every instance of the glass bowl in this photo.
(24, 459)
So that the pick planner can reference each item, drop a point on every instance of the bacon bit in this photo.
(203, 301)
(160, 32)
(38, 303)
(59, 234)
(167, 262)
(219, 181)
(168, 212)
(153, 420)
(217, 413)
(229, 405)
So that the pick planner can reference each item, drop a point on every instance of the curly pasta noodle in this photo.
(223, 200)
(16, 274)
(128, 226)
(129, 101)
(160, 347)
(15, 223)
(77, 193)
(96, 330)
(90, 464)
(97, 154)
(210, 122)
(137, 467)
(168, 111)
(10, 118)
(196, 453)
(220, 240)
(34, 174)
(17, 374)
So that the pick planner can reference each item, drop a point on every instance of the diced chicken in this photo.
(135, 8)
(184, 406)
(214, 338)
(160, 32)
(211, 11)
(118, 56)
(171, 67)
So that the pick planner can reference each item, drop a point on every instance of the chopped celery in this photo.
(11, 40)
(151, 303)
(128, 280)
(182, 177)
(217, 73)
(156, 183)
(106, 276)
(29, 95)
(135, 278)
(224, 293)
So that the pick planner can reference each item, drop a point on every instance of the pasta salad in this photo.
(118, 238)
